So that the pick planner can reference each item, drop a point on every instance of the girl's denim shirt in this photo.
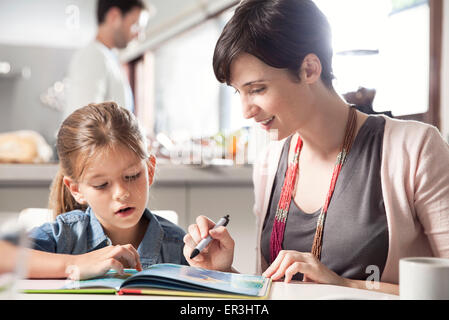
(78, 232)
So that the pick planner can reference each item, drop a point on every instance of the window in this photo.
(384, 45)
(186, 91)
(187, 102)
(186, 98)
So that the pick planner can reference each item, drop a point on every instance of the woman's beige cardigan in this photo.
(415, 188)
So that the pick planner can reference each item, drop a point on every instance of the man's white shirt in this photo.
(95, 76)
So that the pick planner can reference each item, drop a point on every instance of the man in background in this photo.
(95, 74)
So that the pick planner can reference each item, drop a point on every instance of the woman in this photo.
(341, 196)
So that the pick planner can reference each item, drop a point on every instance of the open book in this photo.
(170, 279)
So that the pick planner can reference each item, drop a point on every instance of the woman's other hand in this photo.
(289, 262)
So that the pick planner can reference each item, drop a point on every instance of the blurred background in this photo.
(390, 56)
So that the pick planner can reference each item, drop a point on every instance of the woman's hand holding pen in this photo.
(218, 255)
(98, 262)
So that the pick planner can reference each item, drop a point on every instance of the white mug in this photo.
(424, 278)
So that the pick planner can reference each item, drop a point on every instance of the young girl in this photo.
(99, 199)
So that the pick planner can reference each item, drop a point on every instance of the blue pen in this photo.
(203, 243)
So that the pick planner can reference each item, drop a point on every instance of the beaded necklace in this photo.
(277, 234)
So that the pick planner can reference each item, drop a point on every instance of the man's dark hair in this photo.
(278, 32)
(125, 6)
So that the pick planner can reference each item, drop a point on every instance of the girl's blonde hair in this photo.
(83, 135)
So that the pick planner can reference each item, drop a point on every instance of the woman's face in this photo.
(272, 97)
(115, 185)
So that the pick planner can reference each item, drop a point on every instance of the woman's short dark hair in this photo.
(278, 32)
(125, 6)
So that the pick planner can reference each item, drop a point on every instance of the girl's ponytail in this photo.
(61, 200)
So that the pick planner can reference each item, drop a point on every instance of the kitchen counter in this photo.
(16, 175)
(186, 189)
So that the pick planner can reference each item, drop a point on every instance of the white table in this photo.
(311, 291)
(279, 291)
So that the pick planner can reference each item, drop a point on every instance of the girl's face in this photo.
(271, 96)
(115, 185)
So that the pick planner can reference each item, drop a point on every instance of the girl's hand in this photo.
(218, 255)
(290, 262)
(98, 262)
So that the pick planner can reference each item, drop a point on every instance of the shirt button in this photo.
(109, 242)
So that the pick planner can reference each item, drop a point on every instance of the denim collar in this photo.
(150, 247)
(97, 238)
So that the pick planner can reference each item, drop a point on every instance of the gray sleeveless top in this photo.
(355, 233)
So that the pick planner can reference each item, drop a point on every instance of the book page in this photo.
(180, 277)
